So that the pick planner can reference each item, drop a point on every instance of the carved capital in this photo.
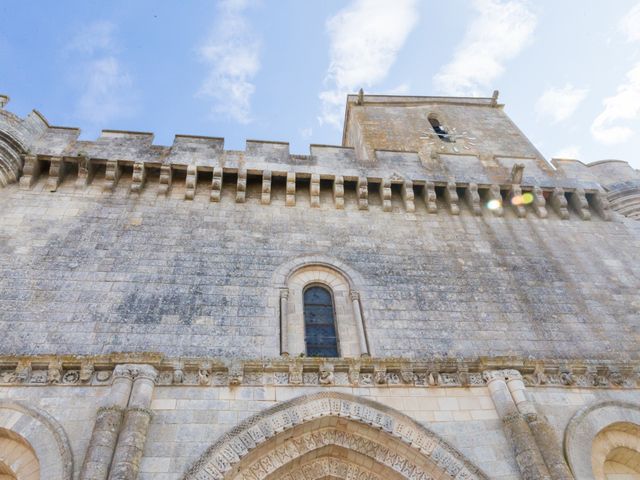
(491, 375)
(355, 296)
(284, 293)
(512, 374)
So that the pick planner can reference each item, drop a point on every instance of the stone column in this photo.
(107, 426)
(543, 434)
(357, 315)
(126, 460)
(528, 457)
(284, 322)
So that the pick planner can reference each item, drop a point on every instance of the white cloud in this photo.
(105, 85)
(306, 132)
(232, 53)
(365, 38)
(560, 103)
(630, 24)
(499, 33)
(610, 127)
(571, 151)
(94, 37)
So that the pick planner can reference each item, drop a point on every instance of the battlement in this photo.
(484, 164)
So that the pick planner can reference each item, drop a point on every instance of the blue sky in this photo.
(568, 71)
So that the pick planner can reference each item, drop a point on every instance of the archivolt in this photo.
(318, 426)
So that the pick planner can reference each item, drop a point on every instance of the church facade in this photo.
(431, 299)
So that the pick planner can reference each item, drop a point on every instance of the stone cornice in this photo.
(364, 372)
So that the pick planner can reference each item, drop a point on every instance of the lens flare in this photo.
(527, 198)
(494, 204)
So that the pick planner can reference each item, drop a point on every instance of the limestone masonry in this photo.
(430, 300)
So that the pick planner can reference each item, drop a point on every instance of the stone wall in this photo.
(86, 272)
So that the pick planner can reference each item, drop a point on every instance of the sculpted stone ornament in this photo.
(380, 374)
(407, 375)
(23, 372)
(204, 374)
(54, 374)
(235, 373)
(86, 371)
(326, 374)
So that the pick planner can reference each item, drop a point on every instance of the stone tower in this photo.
(431, 299)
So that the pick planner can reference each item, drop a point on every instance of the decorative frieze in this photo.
(364, 371)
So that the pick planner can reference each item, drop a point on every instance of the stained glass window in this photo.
(319, 323)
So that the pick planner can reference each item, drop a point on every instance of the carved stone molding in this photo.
(423, 449)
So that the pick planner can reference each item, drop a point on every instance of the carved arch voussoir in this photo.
(43, 433)
(284, 271)
(231, 448)
(585, 425)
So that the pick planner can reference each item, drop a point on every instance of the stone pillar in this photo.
(284, 322)
(126, 460)
(357, 315)
(543, 434)
(525, 450)
(107, 426)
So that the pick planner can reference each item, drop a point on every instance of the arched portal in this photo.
(327, 435)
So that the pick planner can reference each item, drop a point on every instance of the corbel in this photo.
(518, 207)
(30, 171)
(166, 177)
(429, 195)
(408, 197)
(338, 192)
(539, 202)
(191, 182)
(314, 190)
(385, 195)
(362, 190)
(473, 198)
(138, 177)
(494, 195)
(290, 198)
(451, 197)
(57, 169)
(559, 203)
(112, 175)
(241, 190)
(216, 184)
(265, 199)
(600, 204)
(580, 204)
(86, 171)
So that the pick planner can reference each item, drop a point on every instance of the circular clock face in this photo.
(449, 140)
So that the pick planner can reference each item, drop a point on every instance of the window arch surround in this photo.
(598, 433)
(292, 278)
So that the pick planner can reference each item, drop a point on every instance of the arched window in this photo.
(439, 129)
(319, 323)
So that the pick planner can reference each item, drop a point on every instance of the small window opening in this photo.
(439, 129)
(319, 323)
